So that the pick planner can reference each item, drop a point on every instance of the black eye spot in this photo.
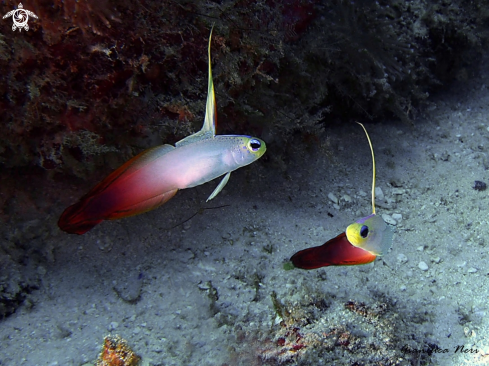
(364, 231)
(255, 144)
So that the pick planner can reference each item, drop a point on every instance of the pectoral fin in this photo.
(219, 187)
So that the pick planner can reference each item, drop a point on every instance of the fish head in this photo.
(370, 233)
(247, 149)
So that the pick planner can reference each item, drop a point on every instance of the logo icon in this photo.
(20, 17)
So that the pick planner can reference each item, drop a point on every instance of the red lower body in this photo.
(335, 252)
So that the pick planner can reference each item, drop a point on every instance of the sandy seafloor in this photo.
(201, 293)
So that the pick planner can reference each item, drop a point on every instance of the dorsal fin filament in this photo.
(373, 167)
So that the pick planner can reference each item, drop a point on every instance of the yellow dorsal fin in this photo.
(210, 121)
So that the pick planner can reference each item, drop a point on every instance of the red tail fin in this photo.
(74, 221)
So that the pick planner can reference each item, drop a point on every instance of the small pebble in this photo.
(402, 288)
(388, 219)
(401, 258)
(186, 256)
(112, 326)
(129, 289)
(472, 270)
(479, 185)
(397, 217)
(423, 266)
(420, 248)
(436, 260)
(398, 191)
(346, 198)
(379, 194)
(362, 193)
(333, 198)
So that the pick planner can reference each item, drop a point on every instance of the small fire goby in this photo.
(154, 176)
(362, 242)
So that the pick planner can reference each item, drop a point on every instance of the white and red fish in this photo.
(363, 241)
(154, 176)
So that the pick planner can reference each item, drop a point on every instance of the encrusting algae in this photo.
(116, 352)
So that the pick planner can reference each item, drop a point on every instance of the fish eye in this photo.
(254, 144)
(364, 231)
